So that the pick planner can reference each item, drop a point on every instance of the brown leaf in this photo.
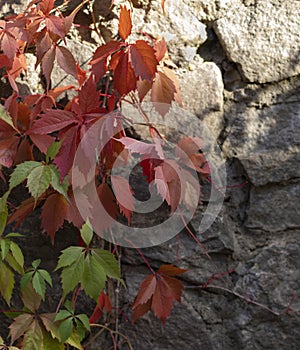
(66, 60)
(53, 215)
(162, 93)
(48, 63)
(125, 24)
(158, 292)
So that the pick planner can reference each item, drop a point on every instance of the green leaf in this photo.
(7, 282)
(74, 341)
(93, 277)
(61, 188)
(87, 233)
(17, 253)
(33, 338)
(65, 329)
(69, 256)
(3, 212)
(25, 279)
(35, 264)
(12, 262)
(62, 315)
(39, 180)
(80, 329)
(13, 235)
(39, 284)
(85, 321)
(21, 172)
(72, 275)
(46, 276)
(6, 117)
(51, 343)
(53, 150)
(4, 245)
(108, 261)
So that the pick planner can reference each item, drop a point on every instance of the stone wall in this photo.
(239, 67)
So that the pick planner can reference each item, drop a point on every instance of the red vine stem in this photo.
(142, 256)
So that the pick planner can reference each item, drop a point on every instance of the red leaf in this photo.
(64, 159)
(158, 292)
(125, 24)
(55, 25)
(46, 6)
(4, 61)
(103, 303)
(162, 93)
(168, 183)
(53, 120)
(48, 63)
(123, 195)
(8, 42)
(42, 142)
(143, 60)
(135, 146)
(66, 60)
(89, 96)
(8, 149)
(170, 270)
(43, 44)
(99, 61)
(54, 212)
(22, 211)
(124, 76)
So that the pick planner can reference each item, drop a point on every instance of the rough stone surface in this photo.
(263, 39)
(239, 72)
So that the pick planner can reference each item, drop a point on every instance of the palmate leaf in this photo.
(90, 270)
(93, 277)
(158, 292)
(21, 173)
(39, 180)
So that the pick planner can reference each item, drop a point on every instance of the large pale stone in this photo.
(202, 92)
(263, 39)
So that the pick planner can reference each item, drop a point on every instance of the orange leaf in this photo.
(124, 76)
(143, 60)
(125, 24)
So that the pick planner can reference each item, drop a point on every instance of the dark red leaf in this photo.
(89, 96)
(143, 60)
(53, 120)
(99, 61)
(65, 157)
(66, 61)
(125, 24)
(48, 63)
